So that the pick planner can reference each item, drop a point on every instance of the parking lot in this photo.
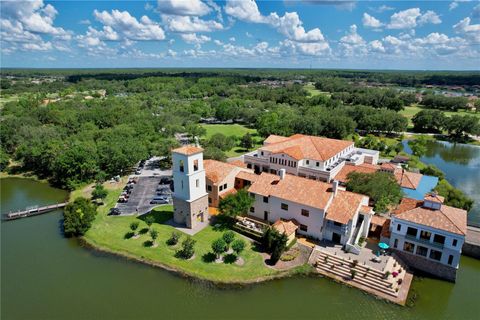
(148, 180)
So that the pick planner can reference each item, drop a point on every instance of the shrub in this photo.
(188, 248)
(134, 226)
(387, 274)
(99, 192)
(219, 246)
(149, 220)
(238, 246)
(353, 273)
(173, 240)
(228, 237)
(153, 235)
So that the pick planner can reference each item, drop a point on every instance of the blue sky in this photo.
(434, 35)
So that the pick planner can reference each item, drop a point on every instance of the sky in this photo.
(420, 35)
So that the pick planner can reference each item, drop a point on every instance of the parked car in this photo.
(165, 180)
(122, 199)
(159, 201)
(114, 212)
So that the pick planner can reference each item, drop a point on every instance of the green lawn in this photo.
(235, 130)
(313, 91)
(7, 98)
(412, 110)
(110, 233)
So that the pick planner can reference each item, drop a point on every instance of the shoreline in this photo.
(90, 245)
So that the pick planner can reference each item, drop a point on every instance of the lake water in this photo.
(461, 165)
(45, 276)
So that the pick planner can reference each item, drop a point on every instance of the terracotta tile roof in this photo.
(344, 206)
(300, 146)
(238, 163)
(247, 176)
(366, 209)
(287, 227)
(300, 190)
(378, 220)
(446, 218)
(274, 139)
(363, 168)
(434, 197)
(217, 171)
(227, 192)
(388, 166)
(407, 179)
(188, 150)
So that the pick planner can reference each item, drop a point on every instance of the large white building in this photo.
(311, 157)
(429, 235)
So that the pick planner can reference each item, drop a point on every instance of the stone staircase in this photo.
(365, 276)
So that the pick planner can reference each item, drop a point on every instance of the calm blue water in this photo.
(461, 165)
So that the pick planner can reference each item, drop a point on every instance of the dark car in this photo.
(114, 212)
(159, 201)
(165, 180)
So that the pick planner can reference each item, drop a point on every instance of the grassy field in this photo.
(233, 130)
(410, 111)
(314, 92)
(4, 99)
(111, 234)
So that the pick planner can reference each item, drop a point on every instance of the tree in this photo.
(173, 240)
(214, 153)
(247, 141)
(219, 246)
(453, 196)
(153, 235)
(228, 236)
(134, 227)
(458, 126)
(238, 246)
(418, 145)
(221, 141)
(279, 247)
(236, 204)
(188, 248)
(428, 121)
(432, 170)
(99, 192)
(78, 217)
(149, 220)
(381, 187)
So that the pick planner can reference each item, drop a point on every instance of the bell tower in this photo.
(190, 198)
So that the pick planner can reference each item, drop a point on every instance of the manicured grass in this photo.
(314, 92)
(233, 130)
(412, 110)
(112, 232)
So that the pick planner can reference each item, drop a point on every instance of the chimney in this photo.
(282, 173)
(334, 187)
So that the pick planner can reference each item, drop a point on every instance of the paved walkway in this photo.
(181, 227)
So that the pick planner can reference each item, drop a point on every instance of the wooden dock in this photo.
(33, 211)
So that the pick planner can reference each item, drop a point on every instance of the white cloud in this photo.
(429, 17)
(28, 22)
(246, 10)
(183, 7)
(370, 21)
(381, 9)
(232, 39)
(188, 24)
(410, 18)
(470, 31)
(453, 5)
(376, 46)
(193, 38)
(128, 27)
(352, 43)
(85, 21)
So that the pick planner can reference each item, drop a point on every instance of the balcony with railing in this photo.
(256, 157)
(342, 229)
(424, 241)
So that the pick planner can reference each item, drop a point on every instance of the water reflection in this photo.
(452, 152)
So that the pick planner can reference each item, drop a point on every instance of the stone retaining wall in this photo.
(434, 268)
(471, 250)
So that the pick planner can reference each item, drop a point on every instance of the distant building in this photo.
(305, 156)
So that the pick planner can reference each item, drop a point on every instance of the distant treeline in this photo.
(401, 78)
